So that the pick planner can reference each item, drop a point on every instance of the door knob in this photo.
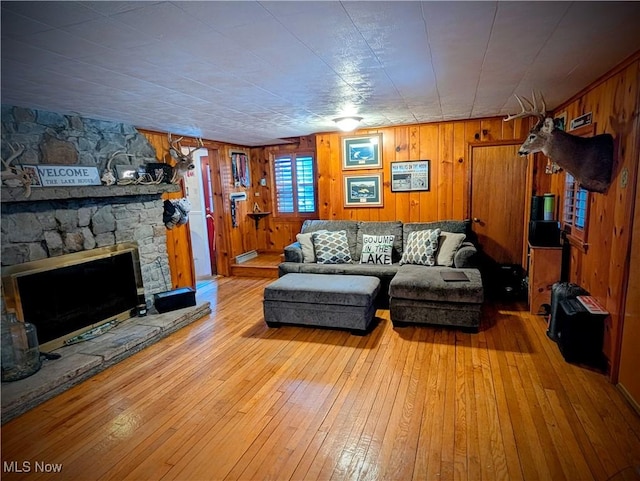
(475, 219)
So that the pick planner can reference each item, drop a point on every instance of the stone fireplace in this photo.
(49, 227)
(53, 222)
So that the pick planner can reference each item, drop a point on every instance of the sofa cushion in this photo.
(331, 247)
(376, 249)
(448, 245)
(421, 248)
(426, 284)
(349, 226)
(393, 228)
(306, 243)
(380, 271)
(455, 226)
(347, 290)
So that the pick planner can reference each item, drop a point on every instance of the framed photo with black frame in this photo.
(410, 176)
(362, 152)
(363, 190)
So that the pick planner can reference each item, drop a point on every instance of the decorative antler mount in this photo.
(184, 162)
(588, 159)
(531, 110)
(15, 175)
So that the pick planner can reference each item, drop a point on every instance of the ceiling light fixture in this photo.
(347, 124)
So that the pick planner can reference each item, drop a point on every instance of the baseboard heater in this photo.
(246, 256)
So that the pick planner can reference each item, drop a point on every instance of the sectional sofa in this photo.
(413, 279)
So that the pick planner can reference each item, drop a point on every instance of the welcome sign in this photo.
(65, 175)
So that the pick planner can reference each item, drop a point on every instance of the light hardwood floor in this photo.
(229, 398)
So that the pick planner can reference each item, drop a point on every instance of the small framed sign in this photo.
(363, 190)
(362, 152)
(410, 176)
(68, 175)
(581, 121)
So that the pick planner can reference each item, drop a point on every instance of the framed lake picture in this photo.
(363, 190)
(362, 152)
(410, 176)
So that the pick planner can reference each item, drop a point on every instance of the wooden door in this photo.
(498, 185)
(207, 192)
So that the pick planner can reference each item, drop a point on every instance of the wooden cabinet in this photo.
(544, 270)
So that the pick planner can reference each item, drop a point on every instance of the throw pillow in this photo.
(421, 248)
(306, 243)
(331, 247)
(376, 249)
(449, 245)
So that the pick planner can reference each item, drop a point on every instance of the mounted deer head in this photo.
(184, 162)
(588, 159)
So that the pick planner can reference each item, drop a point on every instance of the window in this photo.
(576, 203)
(294, 184)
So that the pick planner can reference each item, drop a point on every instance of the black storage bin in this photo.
(580, 334)
(561, 291)
(175, 299)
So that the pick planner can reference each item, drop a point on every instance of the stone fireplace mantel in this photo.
(17, 194)
(54, 221)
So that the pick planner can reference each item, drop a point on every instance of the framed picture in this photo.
(410, 176)
(560, 121)
(363, 190)
(159, 170)
(362, 152)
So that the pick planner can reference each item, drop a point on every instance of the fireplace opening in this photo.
(68, 295)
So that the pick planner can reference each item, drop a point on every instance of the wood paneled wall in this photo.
(445, 144)
(275, 232)
(602, 267)
(230, 241)
(178, 238)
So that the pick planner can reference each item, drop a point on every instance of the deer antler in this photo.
(15, 175)
(532, 110)
(176, 148)
(16, 151)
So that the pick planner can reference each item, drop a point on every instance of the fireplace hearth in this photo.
(80, 361)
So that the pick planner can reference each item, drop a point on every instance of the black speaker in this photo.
(544, 233)
(175, 299)
(581, 334)
(537, 207)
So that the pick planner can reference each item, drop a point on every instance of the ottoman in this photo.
(322, 300)
(419, 294)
